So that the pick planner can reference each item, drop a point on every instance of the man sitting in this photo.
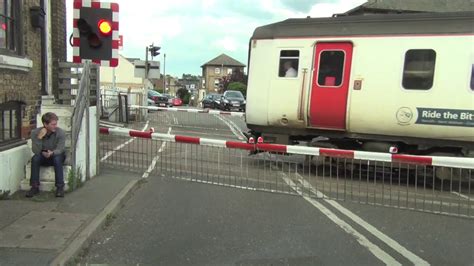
(48, 148)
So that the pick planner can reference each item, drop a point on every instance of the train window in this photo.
(330, 70)
(289, 61)
(418, 71)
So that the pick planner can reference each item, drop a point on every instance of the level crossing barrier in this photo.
(382, 179)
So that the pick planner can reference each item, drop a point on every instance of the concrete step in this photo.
(58, 109)
(44, 186)
(46, 173)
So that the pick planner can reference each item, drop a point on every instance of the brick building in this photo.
(24, 76)
(217, 68)
(32, 43)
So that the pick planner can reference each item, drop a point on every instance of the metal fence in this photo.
(400, 181)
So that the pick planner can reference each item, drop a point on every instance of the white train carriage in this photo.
(401, 82)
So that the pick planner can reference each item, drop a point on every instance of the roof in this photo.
(386, 24)
(224, 60)
(414, 6)
(132, 60)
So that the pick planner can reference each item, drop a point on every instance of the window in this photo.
(229, 71)
(331, 68)
(418, 71)
(9, 28)
(10, 123)
(234, 94)
(217, 70)
(289, 60)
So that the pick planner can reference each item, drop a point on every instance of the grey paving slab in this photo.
(11, 210)
(41, 230)
(13, 257)
(97, 192)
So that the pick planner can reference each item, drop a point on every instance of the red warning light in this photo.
(104, 27)
(4, 26)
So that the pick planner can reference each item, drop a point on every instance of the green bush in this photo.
(186, 98)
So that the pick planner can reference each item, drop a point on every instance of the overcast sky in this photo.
(192, 32)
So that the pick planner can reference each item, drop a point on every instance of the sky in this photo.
(192, 32)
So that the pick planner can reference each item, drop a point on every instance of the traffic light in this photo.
(96, 33)
(154, 50)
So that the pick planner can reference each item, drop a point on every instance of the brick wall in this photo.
(24, 86)
(58, 33)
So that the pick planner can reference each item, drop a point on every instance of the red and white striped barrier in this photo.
(455, 162)
(174, 109)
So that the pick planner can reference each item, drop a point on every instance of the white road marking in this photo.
(108, 154)
(235, 130)
(371, 229)
(155, 159)
(379, 253)
(461, 195)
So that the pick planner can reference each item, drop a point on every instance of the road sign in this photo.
(153, 69)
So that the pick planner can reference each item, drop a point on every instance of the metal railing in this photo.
(81, 105)
(400, 181)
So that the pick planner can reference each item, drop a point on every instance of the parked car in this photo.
(176, 101)
(150, 102)
(159, 99)
(153, 95)
(232, 100)
(170, 98)
(211, 101)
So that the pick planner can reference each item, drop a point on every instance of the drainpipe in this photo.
(44, 51)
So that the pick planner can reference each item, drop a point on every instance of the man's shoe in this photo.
(60, 192)
(33, 191)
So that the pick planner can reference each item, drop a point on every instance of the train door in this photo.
(330, 85)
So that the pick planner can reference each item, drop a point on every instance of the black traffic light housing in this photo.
(94, 43)
(154, 50)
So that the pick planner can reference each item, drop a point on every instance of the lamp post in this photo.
(164, 73)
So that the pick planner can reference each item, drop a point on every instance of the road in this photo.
(170, 221)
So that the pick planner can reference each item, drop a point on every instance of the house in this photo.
(409, 6)
(190, 82)
(124, 75)
(29, 63)
(172, 85)
(217, 68)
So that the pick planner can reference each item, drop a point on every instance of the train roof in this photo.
(393, 24)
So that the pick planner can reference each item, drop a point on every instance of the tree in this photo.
(236, 76)
(183, 94)
(238, 86)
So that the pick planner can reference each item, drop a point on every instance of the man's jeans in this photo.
(56, 160)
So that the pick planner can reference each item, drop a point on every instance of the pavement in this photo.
(46, 230)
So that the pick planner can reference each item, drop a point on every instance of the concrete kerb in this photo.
(82, 238)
